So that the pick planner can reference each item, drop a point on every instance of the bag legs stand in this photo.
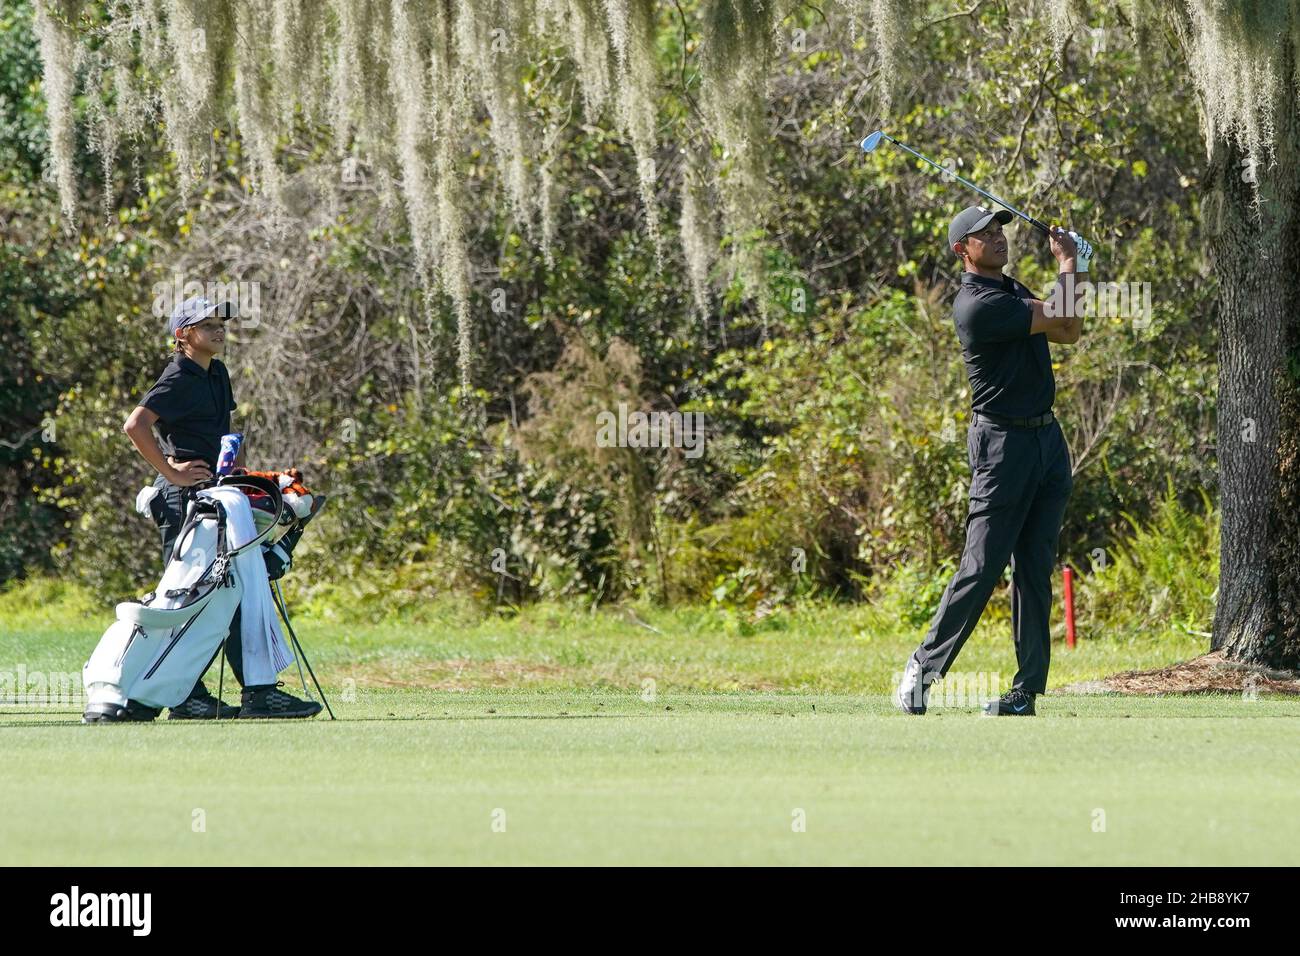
(301, 654)
(221, 675)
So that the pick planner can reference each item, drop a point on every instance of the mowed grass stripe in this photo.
(415, 777)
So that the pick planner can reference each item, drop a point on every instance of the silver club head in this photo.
(872, 141)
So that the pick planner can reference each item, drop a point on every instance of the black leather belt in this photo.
(1038, 421)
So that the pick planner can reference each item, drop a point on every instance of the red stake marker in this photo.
(1069, 607)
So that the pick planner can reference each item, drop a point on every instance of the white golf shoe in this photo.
(913, 694)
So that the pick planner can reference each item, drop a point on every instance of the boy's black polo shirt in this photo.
(193, 406)
(1010, 371)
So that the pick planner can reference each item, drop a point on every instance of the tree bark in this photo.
(1253, 241)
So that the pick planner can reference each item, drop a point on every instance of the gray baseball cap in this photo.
(195, 309)
(973, 219)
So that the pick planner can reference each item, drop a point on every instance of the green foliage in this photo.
(23, 141)
(743, 562)
(100, 348)
(822, 355)
(910, 594)
(862, 438)
(28, 529)
(1161, 577)
(46, 601)
(423, 485)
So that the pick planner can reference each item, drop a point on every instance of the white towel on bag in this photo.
(265, 651)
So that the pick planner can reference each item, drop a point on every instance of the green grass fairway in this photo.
(415, 777)
(447, 718)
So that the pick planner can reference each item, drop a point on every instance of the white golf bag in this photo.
(159, 646)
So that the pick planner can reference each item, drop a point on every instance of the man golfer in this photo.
(1020, 464)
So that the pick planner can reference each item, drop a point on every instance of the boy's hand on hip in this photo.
(188, 473)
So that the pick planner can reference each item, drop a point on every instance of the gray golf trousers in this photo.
(1020, 482)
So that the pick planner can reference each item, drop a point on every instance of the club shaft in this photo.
(987, 195)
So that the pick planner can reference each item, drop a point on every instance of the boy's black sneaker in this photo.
(117, 714)
(270, 701)
(1014, 703)
(205, 706)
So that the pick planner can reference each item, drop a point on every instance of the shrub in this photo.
(1163, 577)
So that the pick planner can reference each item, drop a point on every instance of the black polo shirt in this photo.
(1010, 371)
(193, 406)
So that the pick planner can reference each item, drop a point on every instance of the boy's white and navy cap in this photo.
(195, 309)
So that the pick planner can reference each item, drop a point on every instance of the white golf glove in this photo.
(1083, 257)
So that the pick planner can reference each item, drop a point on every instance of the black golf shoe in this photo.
(205, 706)
(270, 701)
(1014, 703)
(134, 711)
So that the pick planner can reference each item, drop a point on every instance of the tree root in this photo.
(1208, 674)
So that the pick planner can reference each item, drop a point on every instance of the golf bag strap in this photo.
(223, 549)
(215, 575)
(220, 566)
(265, 486)
(191, 518)
(142, 614)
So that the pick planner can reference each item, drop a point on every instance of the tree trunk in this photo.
(1254, 251)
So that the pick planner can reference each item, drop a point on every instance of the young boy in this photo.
(191, 405)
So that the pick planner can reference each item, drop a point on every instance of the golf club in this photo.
(871, 142)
